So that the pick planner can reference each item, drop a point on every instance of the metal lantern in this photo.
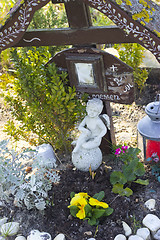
(149, 129)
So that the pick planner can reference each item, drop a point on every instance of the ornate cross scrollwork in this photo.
(15, 29)
(126, 23)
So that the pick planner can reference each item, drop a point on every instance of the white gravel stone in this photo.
(2, 204)
(144, 233)
(150, 204)
(20, 238)
(91, 239)
(60, 237)
(10, 228)
(120, 237)
(3, 220)
(37, 235)
(157, 235)
(152, 222)
(127, 229)
(2, 238)
(135, 237)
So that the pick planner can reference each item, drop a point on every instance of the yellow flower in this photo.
(95, 202)
(81, 213)
(82, 194)
(79, 201)
(78, 198)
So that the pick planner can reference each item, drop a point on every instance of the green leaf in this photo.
(92, 221)
(88, 209)
(117, 177)
(129, 171)
(108, 211)
(134, 151)
(140, 170)
(143, 182)
(74, 210)
(127, 192)
(97, 213)
(117, 188)
(72, 194)
(99, 196)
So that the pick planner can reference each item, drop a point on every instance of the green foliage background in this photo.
(42, 101)
(132, 54)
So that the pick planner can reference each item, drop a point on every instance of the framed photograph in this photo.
(86, 72)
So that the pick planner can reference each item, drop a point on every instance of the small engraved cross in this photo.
(114, 68)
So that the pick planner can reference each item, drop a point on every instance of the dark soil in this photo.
(57, 219)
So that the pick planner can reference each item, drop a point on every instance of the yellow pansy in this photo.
(78, 200)
(75, 201)
(81, 213)
(95, 202)
(82, 194)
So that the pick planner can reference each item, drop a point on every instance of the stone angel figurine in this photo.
(92, 127)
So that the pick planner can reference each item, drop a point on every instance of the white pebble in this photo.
(37, 235)
(150, 204)
(144, 233)
(88, 233)
(2, 204)
(126, 228)
(135, 237)
(10, 228)
(157, 235)
(3, 220)
(152, 222)
(120, 237)
(20, 238)
(91, 239)
(2, 238)
(60, 237)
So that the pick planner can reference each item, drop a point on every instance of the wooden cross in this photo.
(112, 79)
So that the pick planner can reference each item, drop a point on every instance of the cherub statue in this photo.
(92, 126)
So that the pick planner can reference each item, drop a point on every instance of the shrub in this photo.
(26, 190)
(42, 101)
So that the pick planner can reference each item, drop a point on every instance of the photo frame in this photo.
(86, 72)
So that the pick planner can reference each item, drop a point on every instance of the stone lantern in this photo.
(149, 129)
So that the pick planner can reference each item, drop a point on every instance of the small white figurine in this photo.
(93, 129)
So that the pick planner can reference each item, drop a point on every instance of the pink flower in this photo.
(156, 160)
(118, 151)
(124, 147)
(154, 154)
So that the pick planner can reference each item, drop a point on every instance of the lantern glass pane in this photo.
(141, 145)
(152, 148)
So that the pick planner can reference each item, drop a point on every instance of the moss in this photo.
(144, 16)
(119, 2)
(128, 2)
(157, 33)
